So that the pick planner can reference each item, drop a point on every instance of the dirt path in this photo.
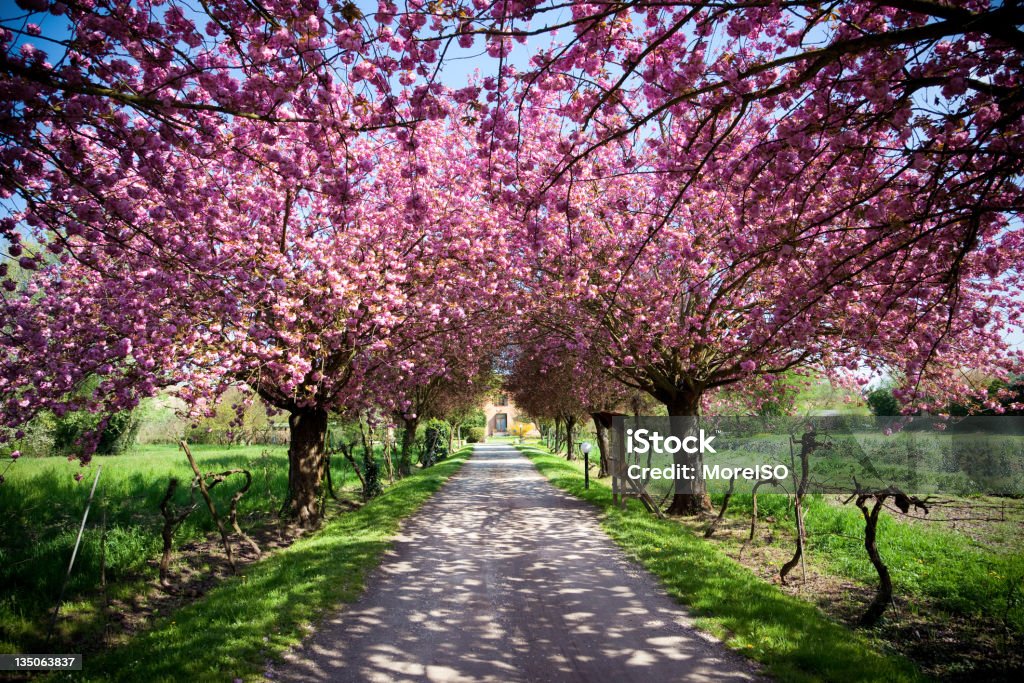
(502, 577)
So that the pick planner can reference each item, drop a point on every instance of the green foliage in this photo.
(343, 432)
(467, 417)
(116, 438)
(435, 442)
(791, 637)
(37, 441)
(476, 418)
(120, 433)
(232, 630)
(474, 435)
(224, 429)
(882, 403)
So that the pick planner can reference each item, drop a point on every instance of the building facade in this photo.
(502, 415)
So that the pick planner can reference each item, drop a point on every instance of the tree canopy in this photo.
(681, 197)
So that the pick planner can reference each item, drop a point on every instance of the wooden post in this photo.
(209, 504)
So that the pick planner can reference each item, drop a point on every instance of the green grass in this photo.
(238, 625)
(42, 507)
(792, 638)
(928, 560)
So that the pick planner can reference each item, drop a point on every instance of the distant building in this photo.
(501, 415)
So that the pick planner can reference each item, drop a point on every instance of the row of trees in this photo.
(681, 199)
(999, 397)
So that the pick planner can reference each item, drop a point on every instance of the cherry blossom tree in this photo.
(697, 194)
(550, 380)
(542, 386)
(919, 94)
(453, 374)
(306, 276)
(681, 297)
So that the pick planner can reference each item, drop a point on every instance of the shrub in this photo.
(475, 435)
(882, 403)
(117, 437)
(521, 429)
(476, 418)
(372, 486)
(435, 442)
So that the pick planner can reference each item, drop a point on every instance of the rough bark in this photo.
(233, 505)
(386, 453)
(753, 504)
(808, 443)
(172, 521)
(212, 508)
(883, 597)
(408, 439)
(327, 475)
(602, 426)
(348, 451)
(306, 458)
(721, 511)
(691, 496)
(570, 426)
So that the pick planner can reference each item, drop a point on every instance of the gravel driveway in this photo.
(502, 577)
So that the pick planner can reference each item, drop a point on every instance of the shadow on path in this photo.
(502, 577)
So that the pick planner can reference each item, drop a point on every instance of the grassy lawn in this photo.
(232, 630)
(794, 640)
(43, 505)
(927, 559)
(973, 568)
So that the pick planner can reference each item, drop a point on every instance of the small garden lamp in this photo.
(585, 447)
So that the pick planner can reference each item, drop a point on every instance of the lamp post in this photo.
(585, 447)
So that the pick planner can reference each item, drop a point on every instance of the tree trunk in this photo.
(602, 425)
(691, 495)
(386, 452)
(408, 439)
(753, 503)
(348, 450)
(807, 446)
(307, 432)
(570, 426)
(709, 532)
(883, 597)
(327, 473)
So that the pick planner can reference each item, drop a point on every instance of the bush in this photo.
(37, 441)
(521, 429)
(372, 486)
(475, 435)
(117, 437)
(435, 442)
(120, 434)
(882, 403)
